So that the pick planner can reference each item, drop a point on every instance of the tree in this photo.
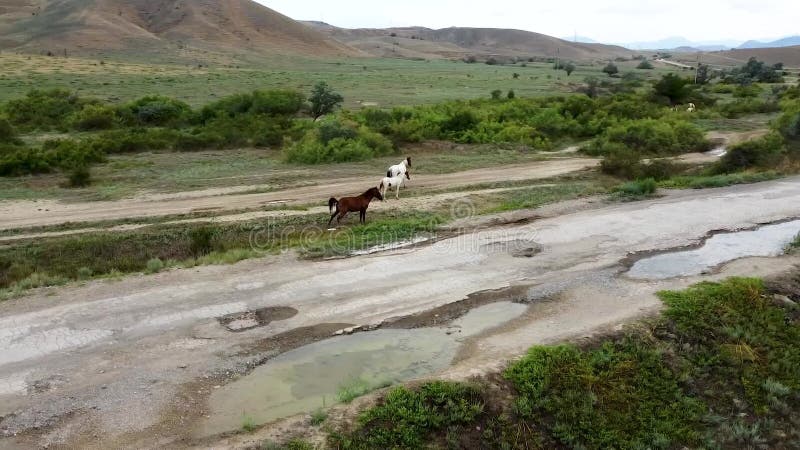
(569, 68)
(516, 76)
(324, 100)
(591, 86)
(511, 94)
(672, 87)
(611, 69)
(703, 76)
(496, 94)
(645, 65)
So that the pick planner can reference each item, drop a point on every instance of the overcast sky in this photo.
(607, 21)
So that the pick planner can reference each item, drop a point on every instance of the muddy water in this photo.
(769, 240)
(309, 377)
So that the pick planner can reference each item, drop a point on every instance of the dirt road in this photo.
(132, 362)
(20, 214)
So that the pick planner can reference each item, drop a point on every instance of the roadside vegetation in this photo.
(719, 369)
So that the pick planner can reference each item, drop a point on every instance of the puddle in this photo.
(769, 240)
(309, 377)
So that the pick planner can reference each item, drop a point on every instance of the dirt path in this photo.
(130, 363)
(21, 214)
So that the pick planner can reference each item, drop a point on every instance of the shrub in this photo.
(740, 107)
(497, 94)
(611, 69)
(645, 65)
(621, 161)
(270, 103)
(651, 137)
(156, 110)
(94, 117)
(43, 109)
(406, 418)
(202, 240)
(637, 189)
(511, 95)
(461, 120)
(747, 91)
(154, 265)
(788, 124)
(334, 141)
(7, 133)
(621, 395)
(84, 273)
(80, 176)
(762, 152)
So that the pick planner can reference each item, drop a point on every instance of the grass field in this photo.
(383, 82)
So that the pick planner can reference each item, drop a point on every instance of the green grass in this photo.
(406, 418)
(720, 369)
(794, 245)
(387, 82)
(319, 416)
(358, 387)
(713, 181)
(535, 197)
(293, 444)
(635, 190)
(248, 424)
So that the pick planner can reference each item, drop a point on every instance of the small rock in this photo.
(183, 366)
(338, 333)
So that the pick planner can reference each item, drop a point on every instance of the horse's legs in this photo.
(397, 192)
(341, 216)
(364, 215)
(331, 221)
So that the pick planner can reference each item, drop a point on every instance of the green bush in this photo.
(94, 117)
(80, 176)
(788, 124)
(156, 110)
(621, 161)
(621, 395)
(407, 418)
(650, 137)
(154, 265)
(740, 107)
(763, 152)
(270, 103)
(8, 134)
(637, 189)
(43, 109)
(645, 65)
(333, 141)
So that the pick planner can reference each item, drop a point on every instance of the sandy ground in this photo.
(130, 363)
(21, 214)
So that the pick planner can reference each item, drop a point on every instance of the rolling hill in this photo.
(790, 56)
(459, 42)
(157, 26)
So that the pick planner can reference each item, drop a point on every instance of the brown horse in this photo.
(350, 204)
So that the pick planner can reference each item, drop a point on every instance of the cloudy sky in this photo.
(607, 21)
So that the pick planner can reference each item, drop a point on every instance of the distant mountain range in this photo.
(679, 43)
(785, 42)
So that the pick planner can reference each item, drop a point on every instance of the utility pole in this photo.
(697, 68)
(558, 56)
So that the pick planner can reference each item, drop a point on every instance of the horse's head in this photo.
(374, 193)
(408, 161)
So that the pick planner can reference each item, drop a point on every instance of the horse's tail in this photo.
(331, 203)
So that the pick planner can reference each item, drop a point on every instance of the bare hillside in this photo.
(459, 42)
(147, 26)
